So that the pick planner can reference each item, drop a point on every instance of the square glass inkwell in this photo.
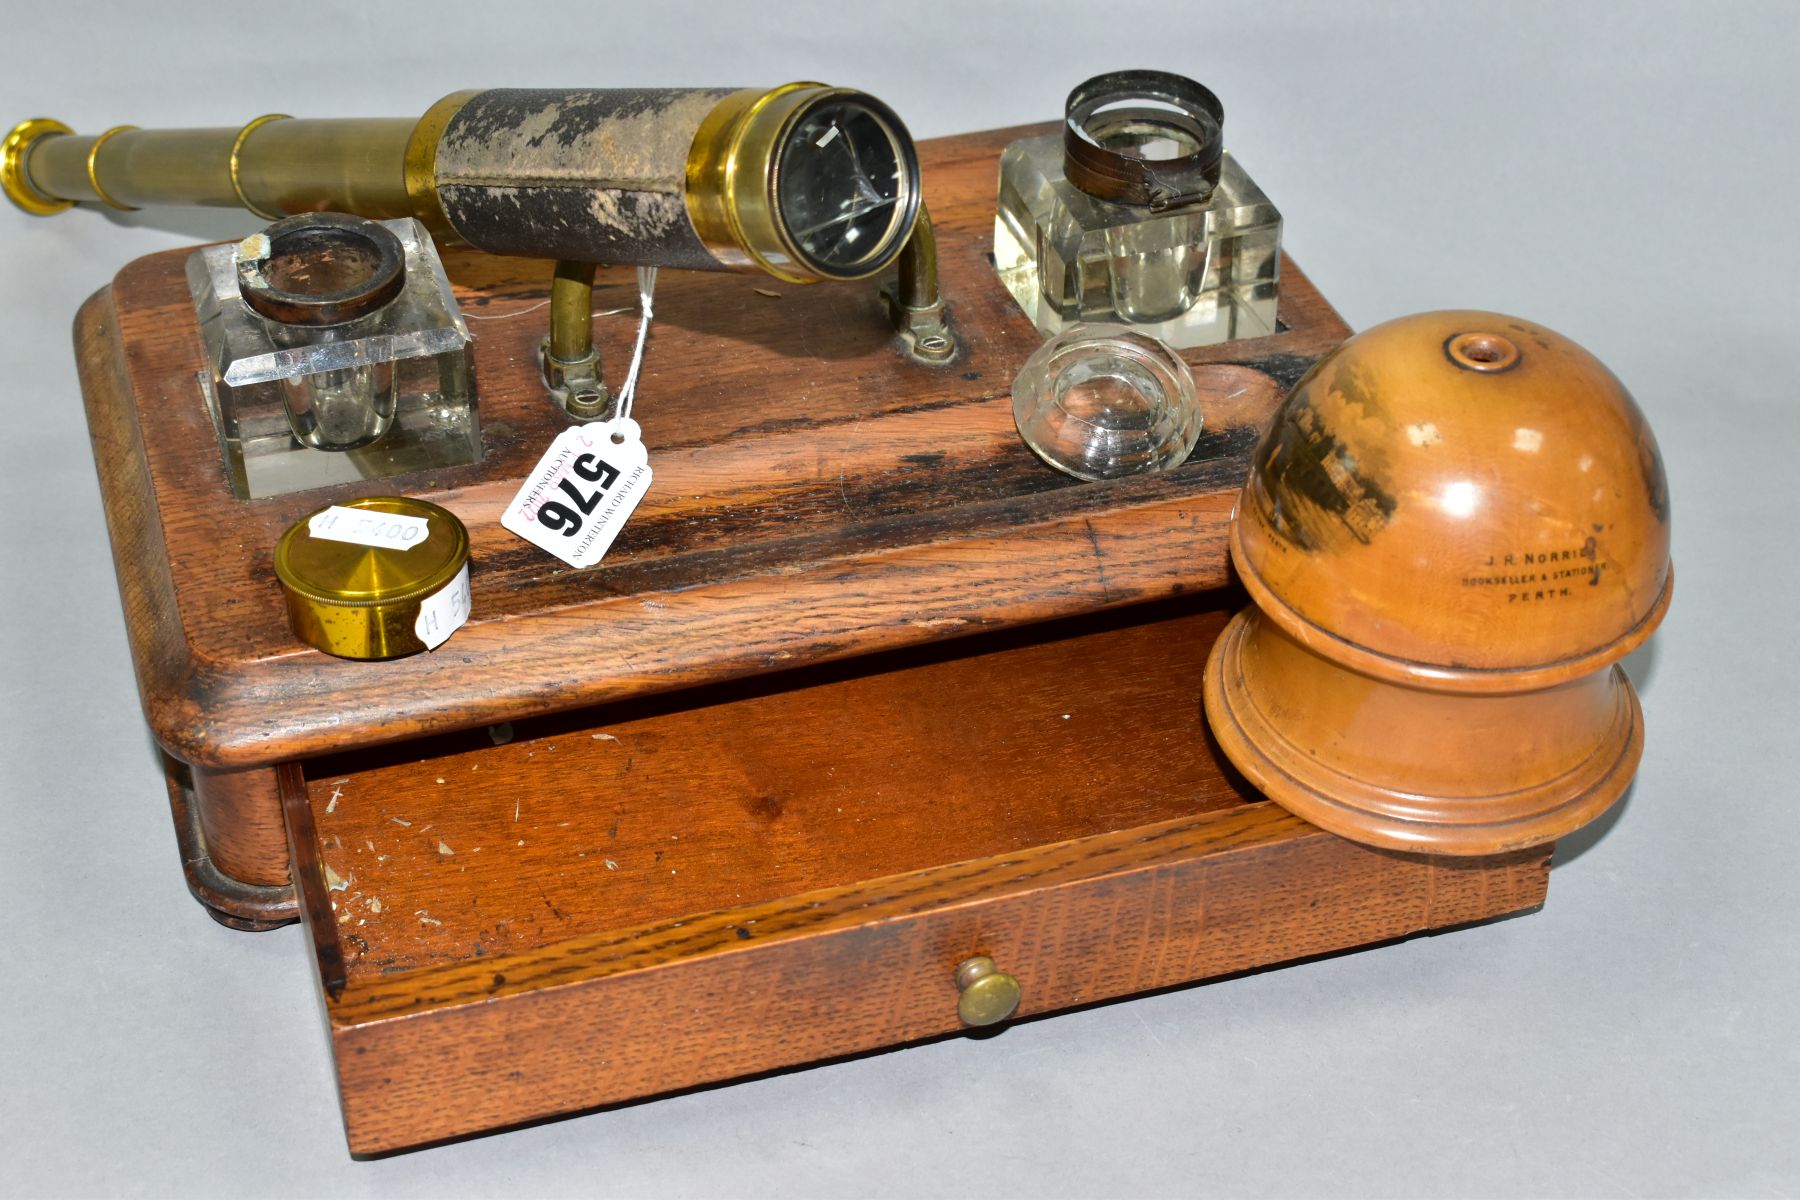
(1135, 215)
(338, 354)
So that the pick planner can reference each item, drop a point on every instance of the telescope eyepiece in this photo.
(846, 186)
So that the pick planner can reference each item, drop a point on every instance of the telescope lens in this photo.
(847, 187)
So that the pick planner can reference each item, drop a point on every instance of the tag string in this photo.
(628, 393)
(527, 311)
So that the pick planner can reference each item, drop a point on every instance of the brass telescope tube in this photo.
(696, 178)
(274, 166)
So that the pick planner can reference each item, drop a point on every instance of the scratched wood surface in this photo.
(746, 793)
(817, 496)
(756, 875)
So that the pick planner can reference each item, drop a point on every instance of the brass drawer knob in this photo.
(989, 995)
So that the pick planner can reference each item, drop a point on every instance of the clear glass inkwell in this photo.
(338, 353)
(1136, 215)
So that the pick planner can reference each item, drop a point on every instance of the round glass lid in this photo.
(1103, 401)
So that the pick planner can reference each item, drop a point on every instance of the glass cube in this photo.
(303, 407)
(1192, 275)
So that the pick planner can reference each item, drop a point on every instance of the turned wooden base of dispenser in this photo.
(1415, 768)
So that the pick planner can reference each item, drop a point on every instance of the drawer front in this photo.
(457, 1048)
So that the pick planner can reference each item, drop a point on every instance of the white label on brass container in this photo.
(369, 527)
(582, 491)
(443, 612)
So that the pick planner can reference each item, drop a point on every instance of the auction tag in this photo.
(444, 611)
(369, 527)
(581, 493)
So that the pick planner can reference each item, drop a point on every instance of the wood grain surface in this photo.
(803, 466)
(641, 1011)
(649, 1009)
(746, 793)
(642, 898)
(240, 820)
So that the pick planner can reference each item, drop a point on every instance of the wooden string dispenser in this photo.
(1455, 527)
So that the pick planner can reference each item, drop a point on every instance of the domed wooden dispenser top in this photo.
(1455, 527)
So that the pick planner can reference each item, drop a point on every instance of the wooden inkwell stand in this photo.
(864, 690)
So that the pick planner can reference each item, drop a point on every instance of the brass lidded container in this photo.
(364, 601)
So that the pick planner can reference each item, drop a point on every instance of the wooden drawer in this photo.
(643, 897)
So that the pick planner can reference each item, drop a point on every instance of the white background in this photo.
(1624, 173)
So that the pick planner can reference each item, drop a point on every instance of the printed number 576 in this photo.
(554, 514)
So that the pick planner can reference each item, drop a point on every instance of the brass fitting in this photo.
(15, 159)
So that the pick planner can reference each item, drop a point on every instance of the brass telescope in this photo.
(806, 182)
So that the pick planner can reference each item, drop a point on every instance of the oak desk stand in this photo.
(862, 691)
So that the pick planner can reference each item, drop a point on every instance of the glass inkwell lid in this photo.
(1103, 401)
